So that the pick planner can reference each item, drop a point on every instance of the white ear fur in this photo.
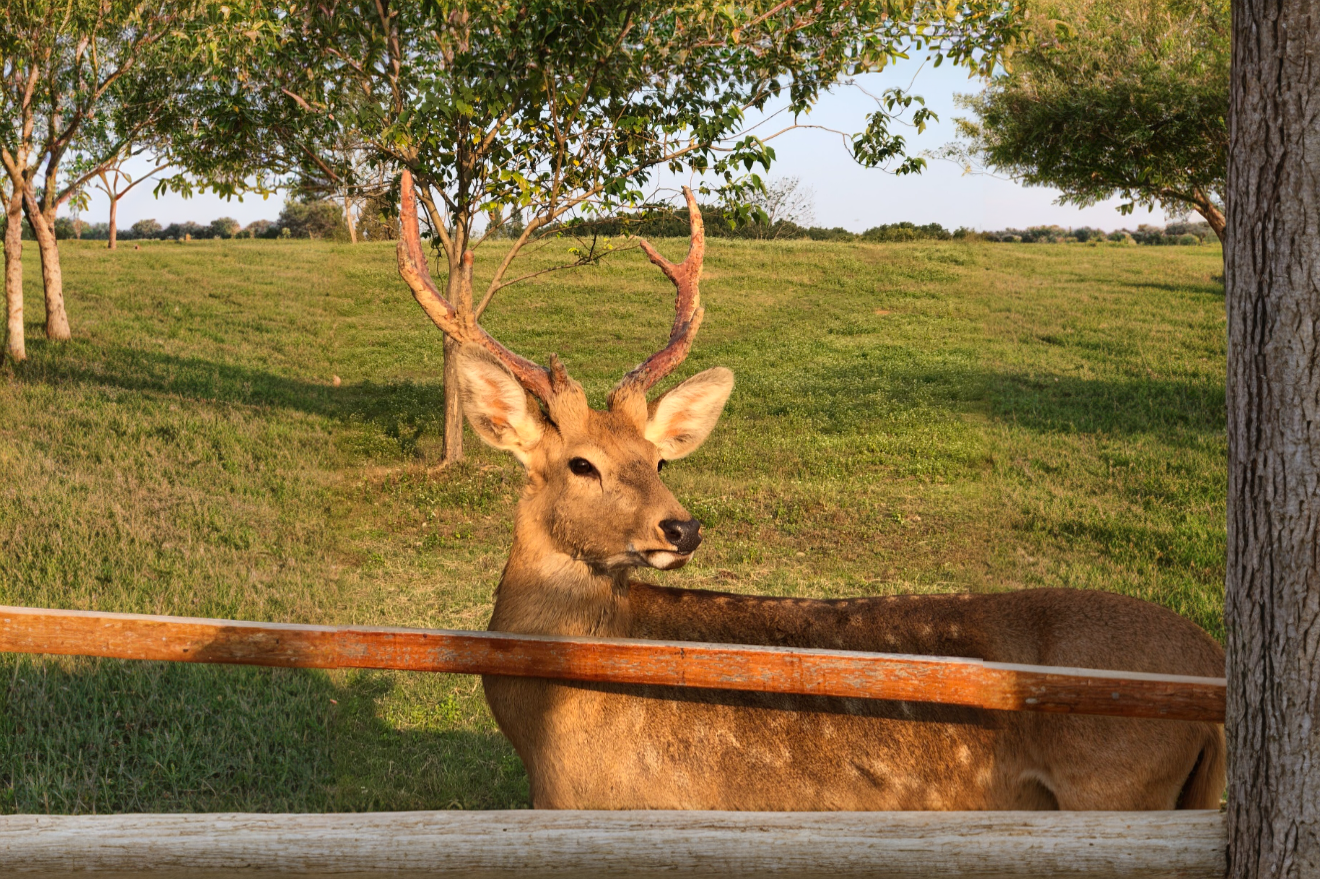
(496, 405)
(681, 420)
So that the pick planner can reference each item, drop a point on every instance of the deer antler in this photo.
(687, 306)
(463, 327)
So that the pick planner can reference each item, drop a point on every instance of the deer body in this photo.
(590, 746)
(594, 510)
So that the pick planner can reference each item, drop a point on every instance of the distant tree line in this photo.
(324, 220)
(315, 219)
(1173, 234)
(662, 223)
(728, 224)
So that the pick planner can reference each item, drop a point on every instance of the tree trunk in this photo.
(114, 232)
(1272, 271)
(15, 347)
(453, 447)
(348, 218)
(459, 294)
(52, 279)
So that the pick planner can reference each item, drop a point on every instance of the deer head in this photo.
(594, 491)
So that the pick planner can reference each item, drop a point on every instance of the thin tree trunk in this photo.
(348, 218)
(114, 232)
(460, 296)
(453, 446)
(15, 347)
(1272, 271)
(52, 279)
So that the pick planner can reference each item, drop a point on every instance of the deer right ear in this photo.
(685, 415)
(497, 406)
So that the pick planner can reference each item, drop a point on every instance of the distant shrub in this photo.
(256, 229)
(224, 227)
(314, 219)
(1045, 234)
(379, 221)
(145, 229)
(181, 231)
(838, 233)
(1188, 238)
(906, 231)
(1201, 230)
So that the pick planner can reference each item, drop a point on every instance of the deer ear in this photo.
(497, 406)
(682, 418)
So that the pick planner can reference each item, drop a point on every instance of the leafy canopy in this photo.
(551, 106)
(81, 81)
(1112, 97)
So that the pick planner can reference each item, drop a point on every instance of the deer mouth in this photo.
(665, 560)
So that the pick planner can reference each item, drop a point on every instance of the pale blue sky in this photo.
(845, 194)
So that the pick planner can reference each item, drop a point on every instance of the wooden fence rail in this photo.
(524, 844)
(950, 681)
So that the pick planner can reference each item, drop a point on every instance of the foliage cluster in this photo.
(1123, 98)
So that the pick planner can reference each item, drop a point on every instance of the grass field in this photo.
(921, 417)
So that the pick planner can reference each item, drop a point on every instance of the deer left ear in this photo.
(496, 404)
(681, 419)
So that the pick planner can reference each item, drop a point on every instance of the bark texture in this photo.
(15, 345)
(1272, 269)
(114, 231)
(52, 278)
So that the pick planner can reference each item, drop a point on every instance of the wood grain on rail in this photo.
(838, 673)
(619, 845)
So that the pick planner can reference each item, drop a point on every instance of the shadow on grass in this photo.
(1211, 287)
(1165, 407)
(402, 410)
(844, 394)
(837, 395)
(95, 736)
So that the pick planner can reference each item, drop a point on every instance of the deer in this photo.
(594, 512)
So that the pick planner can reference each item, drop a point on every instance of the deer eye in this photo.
(582, 467)
(661, 466)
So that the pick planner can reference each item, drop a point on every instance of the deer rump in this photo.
(594, 510)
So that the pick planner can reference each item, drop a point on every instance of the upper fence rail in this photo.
(836, 673)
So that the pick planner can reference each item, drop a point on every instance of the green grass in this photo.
(919, 417)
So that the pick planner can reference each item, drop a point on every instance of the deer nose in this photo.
(685, 536)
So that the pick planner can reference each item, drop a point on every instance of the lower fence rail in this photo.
(430, 845)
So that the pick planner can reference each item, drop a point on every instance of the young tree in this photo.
(1272, 610)
(67, 66)
(782, 201)
(1113, 97)
(552, 108)
(116, 182)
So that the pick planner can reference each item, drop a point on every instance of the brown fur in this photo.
(578, 538)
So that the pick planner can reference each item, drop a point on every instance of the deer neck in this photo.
(545, 591)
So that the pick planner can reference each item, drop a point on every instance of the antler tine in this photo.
(413, 269)
(687, 305)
